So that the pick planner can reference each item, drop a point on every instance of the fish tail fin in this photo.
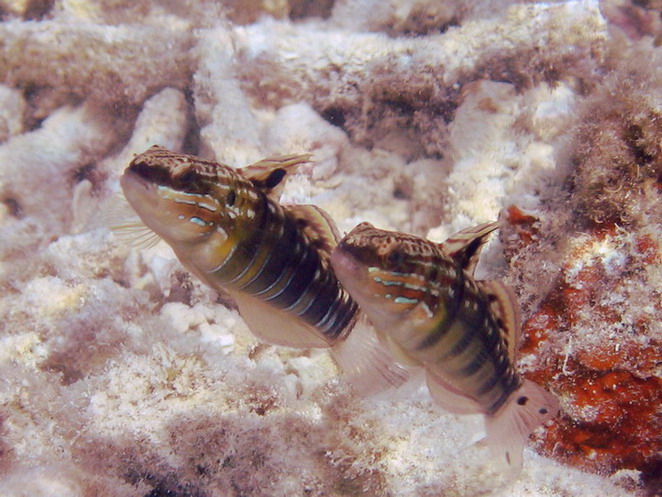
(366, 362)
(509, 428)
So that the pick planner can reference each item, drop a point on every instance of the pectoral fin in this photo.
(268, 174)
(399, 354)
(366, 362)
(126, 225)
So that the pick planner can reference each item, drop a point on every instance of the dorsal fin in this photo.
(505, 309)
(268, 174)
(464, 246)
(318, 227)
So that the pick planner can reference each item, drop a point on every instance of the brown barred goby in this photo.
(423, 299)
(227, 227)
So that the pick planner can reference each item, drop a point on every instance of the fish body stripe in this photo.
(461, 339)
(333, 321)
(305, 302)
(423, 297)
(244, 249)
(301, 273)
(277, 264)
(302, 303)
(468, 347)
(226, 227)
(256, 245)
(273, 276)
(502, 375)
(448, 314)
(286, 274)
(260, 273)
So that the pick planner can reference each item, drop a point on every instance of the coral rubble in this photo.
(123, 376)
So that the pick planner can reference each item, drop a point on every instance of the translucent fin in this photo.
(274, 326)
(505, 308)
(126, 225)
(318, 227)
(449, 398)
(465, 246)
(509, 428)
(399, 354)
(365, 361)
(268, 174)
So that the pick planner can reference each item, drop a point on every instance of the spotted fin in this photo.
(318, 227)
(399, 354)
(465, 246)
(275, 326)
(509, 428)
(505, 309)
(268, 174)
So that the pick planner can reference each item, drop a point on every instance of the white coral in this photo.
(124, 376)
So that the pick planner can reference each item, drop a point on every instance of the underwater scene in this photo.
(366, 248)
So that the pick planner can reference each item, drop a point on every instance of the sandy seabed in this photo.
(122, 376)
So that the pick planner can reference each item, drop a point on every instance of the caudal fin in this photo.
(509, 428)
(366, 362)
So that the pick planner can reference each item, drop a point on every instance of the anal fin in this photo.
(449, 398)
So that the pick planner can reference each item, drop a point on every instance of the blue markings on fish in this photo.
(424, 301)
(227, 227)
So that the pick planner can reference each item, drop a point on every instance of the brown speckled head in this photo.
(390, 273)
(390, 250)
(185, 199)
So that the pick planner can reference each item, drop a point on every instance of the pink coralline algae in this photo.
(599, 334)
